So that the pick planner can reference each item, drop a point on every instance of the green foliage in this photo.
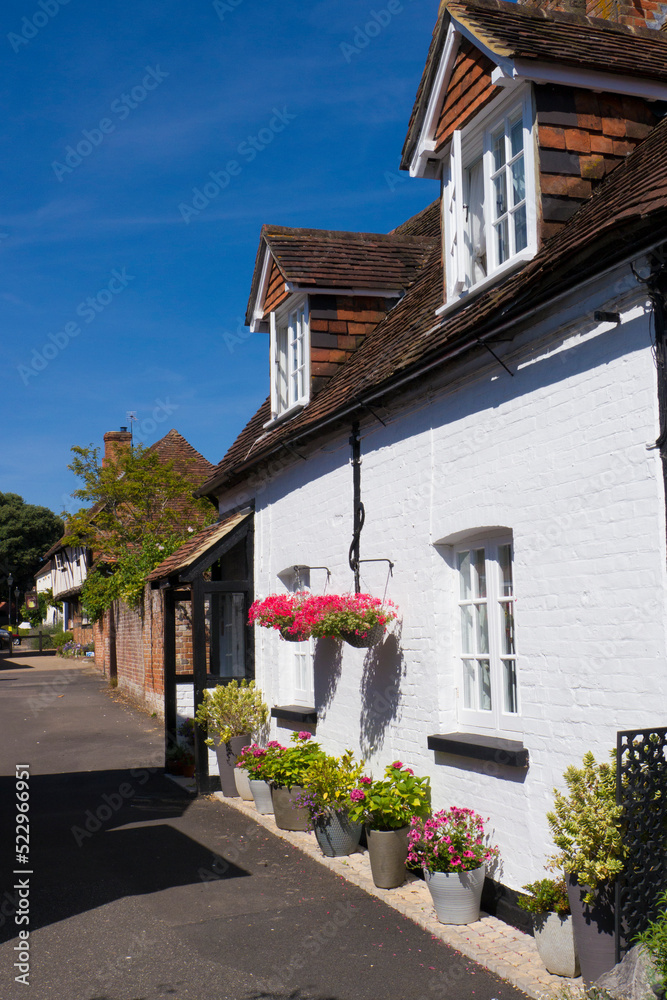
(60, 638)
(231, 710)
(37, 615)
(26, 532)
(142, 509)
(546, 896)
(586, 825)
(330, 780)
(390, 802)
(290, 766)
(654, 938)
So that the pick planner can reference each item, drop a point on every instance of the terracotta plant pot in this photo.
(288, 815)
(227, 754)
(387, 852)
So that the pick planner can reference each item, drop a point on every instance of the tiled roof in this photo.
(625, 215)
(514, 31)
(328, 259)
(195, 547)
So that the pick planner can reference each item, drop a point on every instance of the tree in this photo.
(142, 509)
(26, 533)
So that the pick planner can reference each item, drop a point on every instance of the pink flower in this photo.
(366, 781)
(397, 764)
(304, 735)
(409, 770)
(357, 795)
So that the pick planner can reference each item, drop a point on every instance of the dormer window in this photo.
(290, 358)
(489, 197)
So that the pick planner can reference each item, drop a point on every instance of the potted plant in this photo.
(287, 769)
(326, 795)
(452, 849)
(586, 825)
(386, 807)
(279, 611)
(230, 714)
(255, 761)
(180, 760)
(359, 619)
(552, 925)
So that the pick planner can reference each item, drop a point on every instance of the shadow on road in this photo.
(96, 837)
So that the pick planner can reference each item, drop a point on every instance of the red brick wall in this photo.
(338, 324)
(583, 136)
(470, 88)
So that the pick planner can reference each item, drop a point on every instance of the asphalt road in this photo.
(130, 889)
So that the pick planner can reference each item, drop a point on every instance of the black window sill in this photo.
(510, 753)
(294, 713)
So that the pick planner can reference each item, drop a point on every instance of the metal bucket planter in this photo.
(554, 938)
(261, 793)
(242, 785)
(456, 895)
(387, 851)
(289, 815)
(336, 835)
(227, 754)
(593, 929)
(364, 640)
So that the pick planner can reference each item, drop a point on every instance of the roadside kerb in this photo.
(500, 948)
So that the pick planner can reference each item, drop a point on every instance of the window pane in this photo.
(510, 686)
(484, 670)
(500, 195)
(232, 636)
(480, 572)
(520, 229)
(507, 629)
(505, 560)
(466, 629)
(518, 181)
(502, 248)
(281, 337)
(464, 575)
(482, 630)
(469, 683)
(516, 136)
(499, 149)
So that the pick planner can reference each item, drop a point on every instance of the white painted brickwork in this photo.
(185, 709)
(558, 454)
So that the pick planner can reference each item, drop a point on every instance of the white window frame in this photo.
(290, 330)
(467, 146)
(471, 717)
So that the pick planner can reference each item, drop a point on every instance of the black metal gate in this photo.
(641, 788)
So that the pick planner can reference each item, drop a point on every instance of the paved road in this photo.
(136, 891)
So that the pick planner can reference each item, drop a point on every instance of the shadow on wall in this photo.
(327, 666)
(384, 667)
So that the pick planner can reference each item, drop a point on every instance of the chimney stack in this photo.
(115, 443)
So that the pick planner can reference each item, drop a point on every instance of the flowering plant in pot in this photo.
(452, 848)
(587, 828)
(230, 714)
(287, 770)
(180, 760)
(255, 761)
(326, 795)
(552, 925)
(359, 619)
(386, 806)
(280, 611)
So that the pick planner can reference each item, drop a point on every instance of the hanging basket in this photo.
(294, 636)
(364, 640)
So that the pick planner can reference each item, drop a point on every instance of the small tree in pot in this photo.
(552, 925)
(326, 795)
(230, 714)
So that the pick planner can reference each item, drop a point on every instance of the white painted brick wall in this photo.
(558, 453)
(185, 709)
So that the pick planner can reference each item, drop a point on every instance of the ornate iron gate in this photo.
(641, 788)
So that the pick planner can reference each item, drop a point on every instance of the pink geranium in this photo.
(449, 840)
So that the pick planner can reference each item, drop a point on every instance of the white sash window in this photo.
(290, 359)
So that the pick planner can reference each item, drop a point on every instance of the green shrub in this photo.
(654, 938)
(231, 710)
(546, 896)
(60, 638)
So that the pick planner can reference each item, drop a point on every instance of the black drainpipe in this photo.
(656, 285)
(358, 514)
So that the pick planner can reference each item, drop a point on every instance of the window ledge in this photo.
(511, 753)
(285, 415)
(295, 713)
(513, 264)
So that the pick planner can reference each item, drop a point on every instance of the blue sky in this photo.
(121, 289)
